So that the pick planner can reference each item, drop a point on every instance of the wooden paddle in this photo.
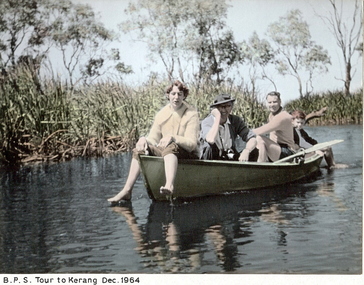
(308, 150)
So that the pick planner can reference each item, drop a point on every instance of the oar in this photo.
(308, 150)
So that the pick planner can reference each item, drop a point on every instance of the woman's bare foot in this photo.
(122, 195)
(164, 190)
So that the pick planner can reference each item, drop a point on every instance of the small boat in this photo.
(196, 178)
(211, 177)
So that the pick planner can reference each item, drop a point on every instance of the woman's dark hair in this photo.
(180, 86)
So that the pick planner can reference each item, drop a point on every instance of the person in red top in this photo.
(280, 143)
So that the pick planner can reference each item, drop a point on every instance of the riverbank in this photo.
(50, 121)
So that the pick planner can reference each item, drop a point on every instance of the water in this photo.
(55, 219)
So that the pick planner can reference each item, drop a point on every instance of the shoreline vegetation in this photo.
(45, 120)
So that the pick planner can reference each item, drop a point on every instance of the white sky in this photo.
(245, 17)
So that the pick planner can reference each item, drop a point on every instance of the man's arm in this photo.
(250, 145)
(212, 133)
(316, 114)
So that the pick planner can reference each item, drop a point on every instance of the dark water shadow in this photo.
(174, 237)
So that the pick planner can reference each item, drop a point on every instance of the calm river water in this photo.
(56, 219)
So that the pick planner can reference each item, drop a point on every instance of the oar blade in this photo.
(308, 150)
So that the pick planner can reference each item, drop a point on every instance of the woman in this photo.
(173, 136)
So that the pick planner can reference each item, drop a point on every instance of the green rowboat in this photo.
(197, 178)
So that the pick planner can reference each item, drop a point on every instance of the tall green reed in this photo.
(50, 121)
(342, 109)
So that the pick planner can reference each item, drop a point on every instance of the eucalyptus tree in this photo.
(296, 53)
(210, 40)
(17, 22)
(257, 54)
(81, 38)
(185, 35)
(347, 32)
(38, 28)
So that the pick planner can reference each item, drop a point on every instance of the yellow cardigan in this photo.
(183, 125)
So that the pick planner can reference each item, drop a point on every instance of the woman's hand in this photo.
(165, 141)
(142, 144)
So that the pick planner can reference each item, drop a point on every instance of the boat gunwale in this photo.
(233, 163)
(216, 163)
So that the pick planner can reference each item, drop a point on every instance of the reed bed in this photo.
(49, 121)
(342, 109)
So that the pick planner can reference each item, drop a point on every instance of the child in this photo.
(302, 139)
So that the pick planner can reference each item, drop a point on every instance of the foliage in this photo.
(17, 26)
(56, 122)
(342, 109)
(33, 28)
(184, 34)
(257, 54)
(296, 53)
(28, 115)
(43, 118)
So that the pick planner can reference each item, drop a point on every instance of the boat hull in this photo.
(197, 178)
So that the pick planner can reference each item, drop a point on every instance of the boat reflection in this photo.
(176, 238)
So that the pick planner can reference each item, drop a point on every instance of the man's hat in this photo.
(221, 99)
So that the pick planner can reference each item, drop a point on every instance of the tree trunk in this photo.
(347, 78)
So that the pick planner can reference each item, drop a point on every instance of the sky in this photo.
(245, 17)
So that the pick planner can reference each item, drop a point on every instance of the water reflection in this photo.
(56, 219)
(327, 190)
(176, 238)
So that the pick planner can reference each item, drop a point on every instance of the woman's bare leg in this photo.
(125, 193)
(170, 168)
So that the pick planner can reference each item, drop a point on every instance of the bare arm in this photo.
(250, 145)
(316, 114)
(211, 135)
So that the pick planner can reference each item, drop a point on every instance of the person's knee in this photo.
(172, 148)
(260, 142)
(136, 153)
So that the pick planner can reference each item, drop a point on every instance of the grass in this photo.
(342, 109)
(49, 121)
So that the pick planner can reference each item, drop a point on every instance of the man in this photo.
(280, 143)
(219, 131)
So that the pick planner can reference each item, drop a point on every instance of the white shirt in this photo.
(223, 140)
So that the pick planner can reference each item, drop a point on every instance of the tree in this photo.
(258, 54)
(347, 33)
(184, 34)
(31, 28)
(157, 24)
(80, 37)
(211, 42)
(296, 53)
(17, 22)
